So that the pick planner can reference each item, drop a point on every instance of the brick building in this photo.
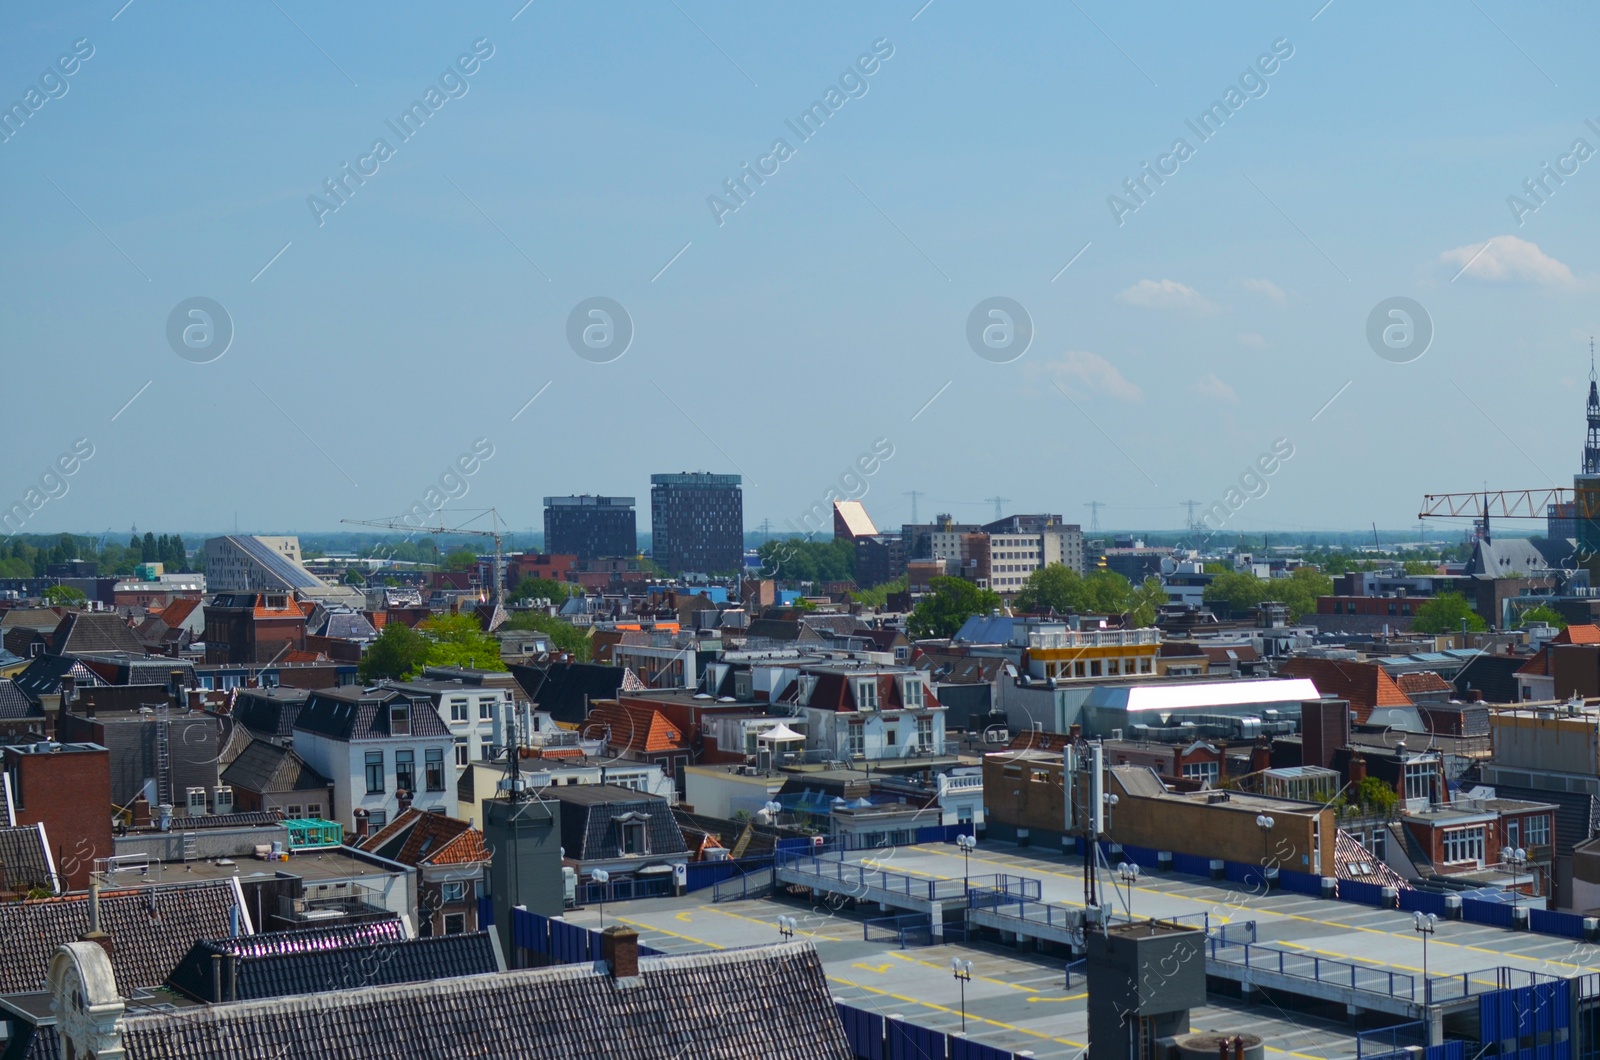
(67, 788)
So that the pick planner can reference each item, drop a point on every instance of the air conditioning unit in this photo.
(196, 800)
(222, 799)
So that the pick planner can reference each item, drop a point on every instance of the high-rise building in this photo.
(697, 522)
(590, 527)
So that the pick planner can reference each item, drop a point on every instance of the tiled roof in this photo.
(1423, 681)
(633, 729)
(768, 1001)
(1579, 635)
(43, 676)
(960, 669)
(24, 859)
(82, 631)
(591, 813)
(358, 714)
(1352, 861)
(1365, 684)
(269, 711)
(151, 929)
(262, 767)
(14, 706)
(1539, 665)
(417, 837)
(180, 609)
(565, 689)
(285, 963)
(42, 619)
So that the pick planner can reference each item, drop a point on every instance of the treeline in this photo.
(28, 556)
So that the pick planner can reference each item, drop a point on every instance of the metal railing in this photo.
(859, 878)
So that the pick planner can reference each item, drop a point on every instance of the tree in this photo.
(1548, 615)
(148, 552)
(1445, 613)
(1374, 795)
(1148, 599)
(458, 640)
(563, 635)
(878, 595)
(398, 653)
(1420, 566)
(1054, 586)
(952, 602)
(460, 559)
(799, 560)
(353, 576)
(1239, 590)
(64, 596)
(542, 589)
(1299, 591)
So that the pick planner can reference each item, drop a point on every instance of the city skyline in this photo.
(781, 309)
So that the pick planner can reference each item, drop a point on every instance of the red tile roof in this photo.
(633, 728)
(1419, 683)
(429, 839)
(1579, 635)
(1366, 685)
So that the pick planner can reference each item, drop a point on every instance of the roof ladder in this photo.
(163, 759)
(190, 849)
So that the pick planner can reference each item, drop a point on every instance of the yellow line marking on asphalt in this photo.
(970, 1017)
(881, 969)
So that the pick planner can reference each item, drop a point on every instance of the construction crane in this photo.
(1503, 504)
(496, 592)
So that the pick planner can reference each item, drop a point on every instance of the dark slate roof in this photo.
(349, 625)
(284, 963)
(151, 929)
(269, 711)
(14, 706)
(24, 859)
(34, 1041)
(43, 676)
(97, 631)
(357, 714)
(122, 668)
(767, 1001)
(565, 690)
(588, 821)
(262, 767)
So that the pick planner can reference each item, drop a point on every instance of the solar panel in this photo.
(291, 574)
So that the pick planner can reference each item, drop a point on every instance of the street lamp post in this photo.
(786, 926)
(962, 970)
(602, 877)
(1129, 875)
(968, 844)
(1516, 858)
(1265, 823)
(1425, 924)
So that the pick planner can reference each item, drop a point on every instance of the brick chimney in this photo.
(619, 948)
(140, 808)
(1261, 754)
(94, 934)
(403, 797)
(1358, 770)
(361, 824)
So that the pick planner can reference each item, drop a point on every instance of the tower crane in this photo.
(497, 590)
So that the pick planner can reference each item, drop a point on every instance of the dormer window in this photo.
(400, 719)
(913, 693)
(867, 695)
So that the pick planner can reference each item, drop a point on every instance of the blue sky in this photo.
(825, 312)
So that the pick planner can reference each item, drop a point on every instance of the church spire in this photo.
(1591, 448)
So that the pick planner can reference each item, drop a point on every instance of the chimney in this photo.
(1261, 755)
(403, 797)
(140, 808)
(69, 689)
(361, 824)
(1358, 770)
(619, 948)
(197, 699)
(175, 687)
(94, 934)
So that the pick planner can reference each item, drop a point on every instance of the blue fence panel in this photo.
(863, 1030)
(1191, 864)
(967, 1049)
(703, 874)
(485, 912)
(530, 931)
(1299, 882)
(1422, 901)
(1356, 891)
(1568, 925)
(1527, 1011)
(911, 1041)
(1479, 912)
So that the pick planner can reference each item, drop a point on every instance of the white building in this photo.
(374, 744)
(472, 713)
(870, 712)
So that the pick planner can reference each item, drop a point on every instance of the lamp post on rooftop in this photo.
(962, 970)
(1515, 858)
(603, 878)
(1129, 875)
(967, 844)
(786, 926)
(1425, 925)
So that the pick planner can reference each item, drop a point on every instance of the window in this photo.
(433, 768)
(1513, 828)
(1202, 771)
(1379, 844)
(1537, 830)
(1144, 666)
(455, 923)
(400, 719)
(314, 810)
(462, 757)
(913, 693)
(458, 710)
(376, 819)
(890, 735)
(857, 738)
(1419, 780)
(632, 837)
(1463, 844)
(1094, 667)
(485, 710)
(925, 733)
(405, 771)
(452, 892)
(291, 811)
(374, 772)
(866, 695)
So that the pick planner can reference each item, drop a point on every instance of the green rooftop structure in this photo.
(312, 833)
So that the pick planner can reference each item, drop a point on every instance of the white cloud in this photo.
(1165, 294)
(1265, 287)
(1083, 370)
(1507, 259)
(1214, 389)
(1250, 338)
